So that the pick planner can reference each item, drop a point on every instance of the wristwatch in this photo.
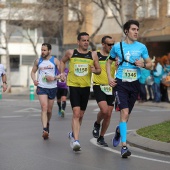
(144, 66)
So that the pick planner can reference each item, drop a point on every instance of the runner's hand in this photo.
(4, 87)
(112, 82)
(49, 78)
(63, 77)
(36, 83)
(139, 63)
(93, 70)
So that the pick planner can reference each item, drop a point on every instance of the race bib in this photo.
(44, 78)
(129, 75)
(80, 69)
(106, 89)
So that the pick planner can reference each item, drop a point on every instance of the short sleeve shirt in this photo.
(2, 70)
(132, 52)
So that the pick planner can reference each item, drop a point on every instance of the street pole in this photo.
(31, 92)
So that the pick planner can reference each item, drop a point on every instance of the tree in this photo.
(116, 6)
(7, 12)
(44, 18)
(81, 18)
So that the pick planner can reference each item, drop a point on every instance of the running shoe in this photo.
(101, 141)
(62, 113)
(125, 152)
(76, 146)
(96, 130)
(71, 138)
(48, 127)
(45, 135)
(59, 112)
(116, 138)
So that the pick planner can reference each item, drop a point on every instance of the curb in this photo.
(136, 140)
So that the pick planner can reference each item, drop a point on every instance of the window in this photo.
(73, 8)
(111, 10)
(140, 11)
(147, 8)
(13, 0)
(152, 10)
(30, 1)
(0, 28)
(28, 59)
(168, 7)
(14, 62)
(15, 32)
(29, 33)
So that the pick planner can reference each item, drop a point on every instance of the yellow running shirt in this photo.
(79, 69)
(102, 79)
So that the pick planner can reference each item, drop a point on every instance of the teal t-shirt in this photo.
(132, 52)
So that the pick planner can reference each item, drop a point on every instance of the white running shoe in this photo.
(76, 146)
(71, 138)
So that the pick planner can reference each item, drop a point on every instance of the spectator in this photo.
(149, 84)
(157, 75)
(3, 77)
(143, 93)
(166, 70)
(62, 91)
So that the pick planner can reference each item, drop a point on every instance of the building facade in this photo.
(24, 26)
(153, 15)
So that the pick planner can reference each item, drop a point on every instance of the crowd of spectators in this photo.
(154, 83)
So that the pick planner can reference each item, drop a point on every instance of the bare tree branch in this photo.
(155, 29)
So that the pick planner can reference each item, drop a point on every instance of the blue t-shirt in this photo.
(132, 52)
(144, 75)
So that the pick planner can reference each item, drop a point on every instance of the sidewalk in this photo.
(153, 104)
(135, 140)
(147, 144)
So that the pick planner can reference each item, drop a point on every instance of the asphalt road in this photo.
(22, 147)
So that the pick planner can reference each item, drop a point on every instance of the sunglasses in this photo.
(110, 44)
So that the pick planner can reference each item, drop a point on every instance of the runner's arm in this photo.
(111, 80)
(96, 69)
(33, 71)
(63, 61)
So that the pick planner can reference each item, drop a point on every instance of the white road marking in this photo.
(162, 110)
(96, 110)
(93, 141)
(29, 110)
(35, 115)
(11, 116)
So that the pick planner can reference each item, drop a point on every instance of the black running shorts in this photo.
(79, 97)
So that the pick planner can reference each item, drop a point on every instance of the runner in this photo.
(103, 92)
(46, 83)
(126, 85)
(62, 91)
(81, 65)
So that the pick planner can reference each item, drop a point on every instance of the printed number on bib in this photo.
(129, 75)
(80, 69)
(106, 89)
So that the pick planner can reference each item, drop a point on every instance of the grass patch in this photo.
(159, 132)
